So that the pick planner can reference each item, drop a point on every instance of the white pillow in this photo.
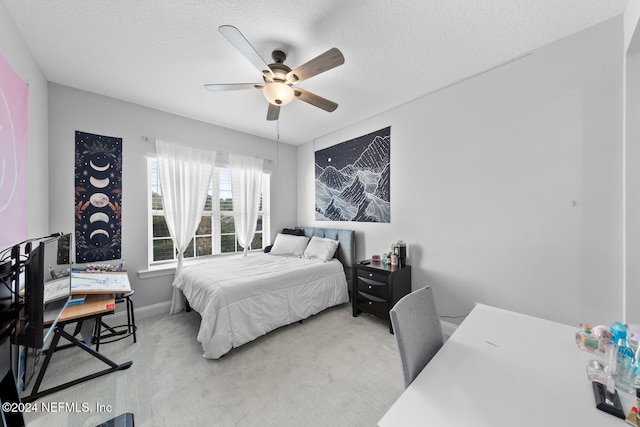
(322, 248)
(288, 244)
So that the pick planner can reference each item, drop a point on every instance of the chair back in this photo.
(418, 331)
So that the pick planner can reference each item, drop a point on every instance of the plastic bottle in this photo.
(636, 382)
(625, 366)
(618, 331)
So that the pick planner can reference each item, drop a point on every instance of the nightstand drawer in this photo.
(373, 287)
(376, 277)
(373, 303)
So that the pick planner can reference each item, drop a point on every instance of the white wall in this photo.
(631, 22)
(632, 157)
(72, 109)
(633, 188)
(15, 50)
(484, 176)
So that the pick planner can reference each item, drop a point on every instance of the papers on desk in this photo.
(99, 283)
(56, 289)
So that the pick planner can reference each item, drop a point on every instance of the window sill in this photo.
(169, 269)
(152, 272)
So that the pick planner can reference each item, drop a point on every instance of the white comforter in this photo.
(242, 298)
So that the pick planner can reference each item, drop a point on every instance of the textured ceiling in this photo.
(160, 53)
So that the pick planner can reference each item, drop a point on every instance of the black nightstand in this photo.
(378, 287)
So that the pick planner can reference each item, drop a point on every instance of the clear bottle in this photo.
(625, 366)
(636, 382)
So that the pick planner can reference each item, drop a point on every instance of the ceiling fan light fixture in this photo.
(278, 93)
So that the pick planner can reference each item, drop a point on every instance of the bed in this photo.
(242, 298)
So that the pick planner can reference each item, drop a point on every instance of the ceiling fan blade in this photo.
(242, 44)
(321, 63)
(273, 112)
(315, 100)
(232, 86)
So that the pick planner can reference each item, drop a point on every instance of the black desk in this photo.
(94, 307)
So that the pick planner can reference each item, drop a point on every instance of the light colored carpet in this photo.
(331, 370)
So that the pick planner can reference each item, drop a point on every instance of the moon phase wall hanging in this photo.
(98, 204)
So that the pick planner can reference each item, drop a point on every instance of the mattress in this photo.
(242, 298)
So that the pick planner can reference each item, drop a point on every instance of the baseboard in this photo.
(120, 317)
(448, 328)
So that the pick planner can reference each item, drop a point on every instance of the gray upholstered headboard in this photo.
(346, 253)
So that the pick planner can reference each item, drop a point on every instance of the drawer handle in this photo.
(369, 302)
(370, 274)
(369, 287)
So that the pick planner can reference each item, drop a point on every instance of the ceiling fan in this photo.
(279, 78)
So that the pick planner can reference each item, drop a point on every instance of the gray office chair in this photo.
(122, 420)
(418, 331)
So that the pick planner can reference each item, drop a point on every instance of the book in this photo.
(77, 299)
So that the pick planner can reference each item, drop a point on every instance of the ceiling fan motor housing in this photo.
(279, 72)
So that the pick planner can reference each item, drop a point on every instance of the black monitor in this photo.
(47, 288)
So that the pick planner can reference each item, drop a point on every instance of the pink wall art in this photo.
(14, 114)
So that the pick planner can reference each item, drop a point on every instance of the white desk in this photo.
(502, 368)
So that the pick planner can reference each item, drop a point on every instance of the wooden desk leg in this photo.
(59, 332)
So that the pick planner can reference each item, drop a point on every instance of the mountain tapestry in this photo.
(352, 179)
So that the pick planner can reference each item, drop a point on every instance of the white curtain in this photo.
(246, 186)
(185, 175)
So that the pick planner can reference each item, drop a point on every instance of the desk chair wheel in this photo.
(116, 333)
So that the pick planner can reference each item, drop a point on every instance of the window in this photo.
(216, 232)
